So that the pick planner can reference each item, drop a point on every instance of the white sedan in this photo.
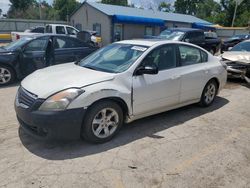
(119, 83)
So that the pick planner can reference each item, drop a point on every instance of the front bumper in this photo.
(60, 125)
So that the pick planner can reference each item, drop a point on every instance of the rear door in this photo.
(192, 70)
(33, 56)
(69, 49)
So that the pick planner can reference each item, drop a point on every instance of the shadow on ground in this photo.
(147, 127)
(237, 81)
(11, 85)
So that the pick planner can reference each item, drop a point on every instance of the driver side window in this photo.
(163, 57)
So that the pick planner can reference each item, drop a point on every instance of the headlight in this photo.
(61, 100)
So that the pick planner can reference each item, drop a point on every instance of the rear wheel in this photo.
(102, 122)
(209, 93)
(7, 75)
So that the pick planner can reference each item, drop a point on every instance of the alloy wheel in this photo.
(5, 75)
(210, 93)
(105, 123)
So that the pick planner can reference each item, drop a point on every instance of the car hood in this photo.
(47, 81)
(243, 57)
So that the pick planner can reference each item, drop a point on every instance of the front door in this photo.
(152, 93)
(118, 32)
(34, 55)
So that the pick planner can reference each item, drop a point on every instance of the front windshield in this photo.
(243, 46)
(18, 43)
(172, 35)
(114, 58)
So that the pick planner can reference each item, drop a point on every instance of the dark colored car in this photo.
(194, 36)
(232, 41)
(24, 56)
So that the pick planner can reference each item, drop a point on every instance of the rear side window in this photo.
(189, 55)
(60, 30)
(68, 42)
(204, 56)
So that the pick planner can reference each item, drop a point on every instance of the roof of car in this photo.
(147, 42)
(184, 29)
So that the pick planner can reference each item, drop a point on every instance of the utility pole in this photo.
(237, 3)
(40, 10)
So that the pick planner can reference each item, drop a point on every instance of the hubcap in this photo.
(5, 75)
(210, 93)
(105, 123)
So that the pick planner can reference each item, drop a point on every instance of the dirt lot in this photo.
(188, 147)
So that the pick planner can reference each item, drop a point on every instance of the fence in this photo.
(8, 25)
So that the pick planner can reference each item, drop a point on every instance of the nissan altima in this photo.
(119, 83)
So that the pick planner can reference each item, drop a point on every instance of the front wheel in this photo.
(7, 75)
(102, 122)
(209, 93)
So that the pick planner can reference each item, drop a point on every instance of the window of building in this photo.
(97, 28)
(118, 32)
(149, 31)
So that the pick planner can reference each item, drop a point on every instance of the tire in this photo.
(7, 75)
(102, 122)
(209, 93)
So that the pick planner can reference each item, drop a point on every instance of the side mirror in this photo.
(152, 69)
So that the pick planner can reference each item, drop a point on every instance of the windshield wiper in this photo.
(89, 67)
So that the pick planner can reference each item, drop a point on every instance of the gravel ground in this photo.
(188, 147)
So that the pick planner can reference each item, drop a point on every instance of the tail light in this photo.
(17, 36)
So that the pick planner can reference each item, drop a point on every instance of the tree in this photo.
(208, 10)
(165, 7)
(65, 7)
(115, 2)
(18, 7)
(186, 6)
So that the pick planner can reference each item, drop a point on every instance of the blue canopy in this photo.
(137, 20)
(203, 26)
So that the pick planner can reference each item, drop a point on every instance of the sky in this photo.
(4, 4)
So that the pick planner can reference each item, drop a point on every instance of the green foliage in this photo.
(216, 12)
(165, 7)
(115, 2)
(65, 7)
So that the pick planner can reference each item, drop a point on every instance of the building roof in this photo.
(112, 10)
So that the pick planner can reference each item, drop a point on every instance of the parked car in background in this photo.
(91, 37)
(50, 28)
(232, 41)
(24, 56)
(238, 61)
(210, 35)
(119, 83)
(194, 36)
